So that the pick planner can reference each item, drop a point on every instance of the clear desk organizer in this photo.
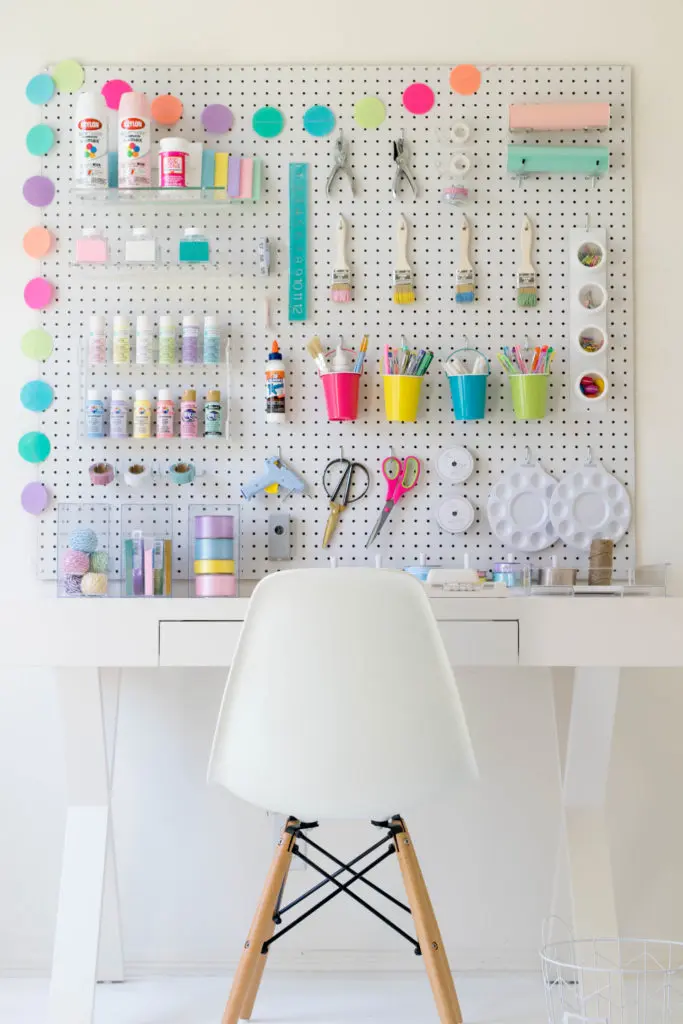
(146, 550)
(84, 546)
(213, 550)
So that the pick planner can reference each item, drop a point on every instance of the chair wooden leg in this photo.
(260, 932)
(428, 935)
(257, 976)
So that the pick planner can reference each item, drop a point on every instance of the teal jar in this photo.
(194, 247)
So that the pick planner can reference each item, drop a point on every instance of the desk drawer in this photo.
(202, 643)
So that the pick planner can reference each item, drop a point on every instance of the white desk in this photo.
(584, 640)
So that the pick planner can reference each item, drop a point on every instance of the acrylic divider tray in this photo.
(146, 550)
(84, 547)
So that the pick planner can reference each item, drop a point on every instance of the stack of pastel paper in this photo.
(214, 564)
(239, 176)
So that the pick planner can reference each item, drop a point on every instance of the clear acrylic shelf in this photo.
(155, 196)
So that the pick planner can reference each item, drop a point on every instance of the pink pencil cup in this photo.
(341, 395)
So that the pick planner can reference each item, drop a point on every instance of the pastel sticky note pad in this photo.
(246, 178)
(256, 179)
(167, 109)
(36, 396)
(319, 121)
(38, 293)
(39, 190)
(465, 79)
(40, 139)
(234, 177)
(220, 173)
(34, 446)
(69, 76)
(369, 112)
(208, 168)
(37, 344)
(268, 122)
(113, 90)
(418, 98)
(37, 242)
(217, 118)
(35, 498)
(40, 89)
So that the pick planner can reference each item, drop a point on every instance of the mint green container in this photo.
(593, 161)
(529, 395)
(194, 247)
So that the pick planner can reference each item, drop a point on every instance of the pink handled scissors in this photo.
(401, 477)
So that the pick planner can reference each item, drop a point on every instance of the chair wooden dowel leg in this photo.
(428, 934)
(261, 930)
(257, 976)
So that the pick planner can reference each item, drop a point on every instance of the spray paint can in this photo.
(91, 158)
(134, 141)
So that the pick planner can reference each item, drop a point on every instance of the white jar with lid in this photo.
(173, 157)
(141, 248)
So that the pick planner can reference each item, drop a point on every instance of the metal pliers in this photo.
(402, 168)
(340, 166)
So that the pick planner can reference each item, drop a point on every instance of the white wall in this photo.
(187, 889)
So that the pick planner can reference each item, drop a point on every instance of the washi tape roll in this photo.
(212, 547)
(215, 586)
(214, 566)
(214, 526)
(182, 473)
(101, 474)
(136, 474)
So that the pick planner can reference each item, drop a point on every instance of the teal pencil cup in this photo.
(468, 390)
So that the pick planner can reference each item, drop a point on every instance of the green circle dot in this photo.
(68, 75)
(36, 396)
(40, 139)
(268, 122)
(369, 112)
(37, 344)
(34, 446)
(40, 89)
(319, 121)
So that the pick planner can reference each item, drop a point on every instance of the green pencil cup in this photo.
(529, 395)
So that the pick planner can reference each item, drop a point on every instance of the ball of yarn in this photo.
(75, 563)
(83, 539)
(94, 583)
(99, 561)
(72, 584)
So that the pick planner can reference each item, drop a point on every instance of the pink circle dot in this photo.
(418, 98)
(113, 90)
(38, 293)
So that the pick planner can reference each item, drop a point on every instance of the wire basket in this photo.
(613, 981)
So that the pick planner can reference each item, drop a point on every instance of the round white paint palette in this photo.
(455, 515)
(590, 503)
(519, 509)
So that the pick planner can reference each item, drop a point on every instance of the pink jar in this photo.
(172, 162)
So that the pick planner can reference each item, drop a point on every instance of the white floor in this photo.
(341, 998)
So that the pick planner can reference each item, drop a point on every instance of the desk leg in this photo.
(89, 705)
(585, 731)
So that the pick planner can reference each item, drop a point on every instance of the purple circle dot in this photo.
(217, 118)
(35, 498)
(39, 191)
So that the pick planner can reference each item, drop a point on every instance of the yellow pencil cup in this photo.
(529, 395)
(402, 397)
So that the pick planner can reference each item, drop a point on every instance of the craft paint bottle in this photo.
(213, 414)
(142, 415)
(212, 340)
(144, 339)
(275, 386)
(188, 414)
(166, 339)
(190, 346)
(94, 414)
(91, 158)
(121, 340)
(134, 141)
(118, 415)
(165, 414)
(97, 341)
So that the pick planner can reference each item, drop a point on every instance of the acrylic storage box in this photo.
(146, 550)
(213, 550)
(84, 550)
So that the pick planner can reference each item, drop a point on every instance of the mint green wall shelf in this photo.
(593, 161)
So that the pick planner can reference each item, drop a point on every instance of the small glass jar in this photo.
(91, 247)
(194, 247)
(141, 248)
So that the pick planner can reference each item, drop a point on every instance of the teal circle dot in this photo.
(34, 446)
(40, 89)
(319, 121)
(268, 122)
(36, 396)
(40, 139)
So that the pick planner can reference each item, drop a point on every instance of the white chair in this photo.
(341, 703)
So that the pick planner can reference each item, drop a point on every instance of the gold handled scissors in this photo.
(344, 493)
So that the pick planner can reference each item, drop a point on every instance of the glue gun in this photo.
(276, 474)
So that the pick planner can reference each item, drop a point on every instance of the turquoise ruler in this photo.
(298, 241)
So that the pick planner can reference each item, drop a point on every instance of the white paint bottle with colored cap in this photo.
(134, 117)
(91, 156)
(142, 415)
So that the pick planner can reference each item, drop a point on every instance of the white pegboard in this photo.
(556, 204)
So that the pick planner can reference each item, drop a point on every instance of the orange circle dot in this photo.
(465, 79)
(37, 242)
(167, 109)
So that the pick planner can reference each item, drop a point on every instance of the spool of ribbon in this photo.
(136, 474)
(101, 474)
(182, 473)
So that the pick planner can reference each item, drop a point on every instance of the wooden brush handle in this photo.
(526, 241)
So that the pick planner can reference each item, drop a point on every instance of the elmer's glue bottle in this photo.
(134, 141)
(275, 386)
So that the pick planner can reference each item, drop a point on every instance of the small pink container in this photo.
(172, 166)
(341, 395)
(215, 586)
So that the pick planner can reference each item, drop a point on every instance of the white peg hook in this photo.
(527, 455)
(589, 456)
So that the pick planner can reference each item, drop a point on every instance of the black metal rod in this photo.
(366, 881)
(320, 885)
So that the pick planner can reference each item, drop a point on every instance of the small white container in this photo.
(592, 297)
(141, 248)
(600, 379)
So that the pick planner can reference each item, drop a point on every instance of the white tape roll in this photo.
(455, 515)
(459, 165)
(136, 474)
(455, 465)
